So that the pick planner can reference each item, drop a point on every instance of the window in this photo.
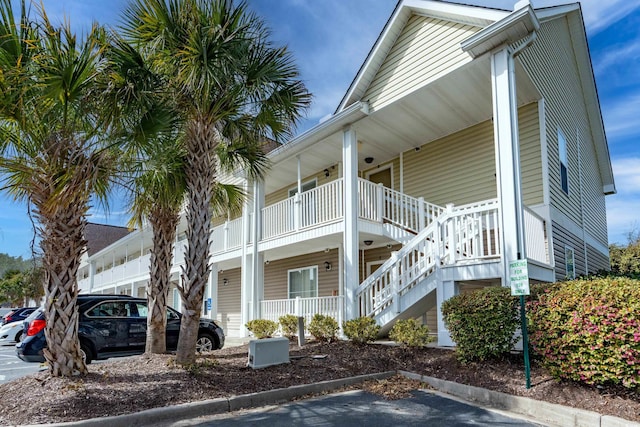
(111, 309)
(570, 262)
(305, 187)
(564, 163)
(303, 282)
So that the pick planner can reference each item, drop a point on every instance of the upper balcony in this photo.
(316, 213)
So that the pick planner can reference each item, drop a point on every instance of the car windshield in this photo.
(35, 314)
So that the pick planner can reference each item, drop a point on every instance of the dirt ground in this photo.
(133, 384)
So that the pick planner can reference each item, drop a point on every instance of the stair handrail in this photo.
(439, 246)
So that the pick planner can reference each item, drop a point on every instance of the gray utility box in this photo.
(268, 352)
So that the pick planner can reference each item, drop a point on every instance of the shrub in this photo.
(589, 330)
(410, 333)
(323, 328)
(289, 325)
(262, 328)
(361, 330)
(482, 323)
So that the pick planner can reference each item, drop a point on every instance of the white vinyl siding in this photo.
(551, 64)
(229, 304)
(530, 155)
(459, 168)
(276, 274)
(427, 49)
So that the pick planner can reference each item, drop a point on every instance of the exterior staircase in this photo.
(404, 285)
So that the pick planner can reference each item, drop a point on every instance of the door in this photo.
(384, 177)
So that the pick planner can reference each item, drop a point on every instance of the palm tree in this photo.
(233, 89)
(147, 124)
(54, 156)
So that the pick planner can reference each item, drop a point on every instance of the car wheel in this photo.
(205, 343)
(87, 354)
(18, 336)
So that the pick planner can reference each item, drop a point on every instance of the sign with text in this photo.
(519, 277)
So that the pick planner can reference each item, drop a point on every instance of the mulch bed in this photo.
(132, 384)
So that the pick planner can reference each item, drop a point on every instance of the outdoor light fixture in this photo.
(368, 242)
(326, 173)
(368, 160)
(327, 265)
(225, 282)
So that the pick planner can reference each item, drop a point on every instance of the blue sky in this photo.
(331, 38)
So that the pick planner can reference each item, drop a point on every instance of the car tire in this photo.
(18, 336)
(86, 352)
(205, 343)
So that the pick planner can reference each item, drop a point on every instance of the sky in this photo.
(330, 39)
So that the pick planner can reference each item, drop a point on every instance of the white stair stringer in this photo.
(415, 302)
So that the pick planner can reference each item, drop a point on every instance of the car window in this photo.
(111, 309)
(172, 315)
(141, 309)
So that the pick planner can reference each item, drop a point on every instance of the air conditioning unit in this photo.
(268, 352)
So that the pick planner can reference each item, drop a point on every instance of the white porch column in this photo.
(212, 292)
(505, 127)
(257, 270)
(445, 290)
(92, 275)
(246, 263)
(350, 235)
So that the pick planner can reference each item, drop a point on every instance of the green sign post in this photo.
(519, 282)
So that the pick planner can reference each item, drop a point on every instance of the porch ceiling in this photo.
(454, 102)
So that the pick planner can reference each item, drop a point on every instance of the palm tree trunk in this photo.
(164, 226)
(201, 140)
(62, 245)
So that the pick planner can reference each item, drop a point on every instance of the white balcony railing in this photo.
(318, 206)
(381, 204)
(302, 307)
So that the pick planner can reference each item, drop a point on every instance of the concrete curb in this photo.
(543, 412)
(220, 405)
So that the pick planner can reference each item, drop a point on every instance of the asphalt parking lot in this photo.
(11, 367)
(359, 408)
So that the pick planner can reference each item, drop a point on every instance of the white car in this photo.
(11, 332)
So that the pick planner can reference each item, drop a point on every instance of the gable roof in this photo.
(464, 14)
(99, 236)
(483, 17)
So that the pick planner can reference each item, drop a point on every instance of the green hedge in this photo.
(262, 328)
(361, 330)
(289, 325)
(410, 333)
(482, 323)
(589, 330)
(323, 328)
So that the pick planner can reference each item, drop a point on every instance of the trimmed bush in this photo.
(588, 330)
(361, 330)
(262, 328)
(323, 328)
(289, 325)
(410, 333)
(482, 323)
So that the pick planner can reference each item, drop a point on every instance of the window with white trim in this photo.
(569, 262)
(564, 163)
(303, 282)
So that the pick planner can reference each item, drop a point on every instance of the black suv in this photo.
(111, 326)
